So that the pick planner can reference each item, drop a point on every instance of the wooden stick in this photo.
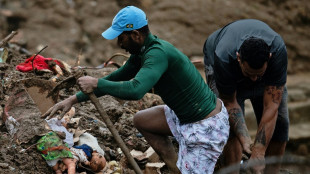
(8, 38)
(114, 132)
(77, 61)
(114, 55)
(34, 71)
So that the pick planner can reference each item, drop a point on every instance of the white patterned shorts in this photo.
(200, 143)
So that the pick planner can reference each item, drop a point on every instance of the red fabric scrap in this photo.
(39, 63)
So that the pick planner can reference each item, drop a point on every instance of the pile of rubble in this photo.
(31, 83)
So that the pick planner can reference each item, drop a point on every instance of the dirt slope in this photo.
(69, 27)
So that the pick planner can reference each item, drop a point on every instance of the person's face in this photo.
(247, 71)
(96, 160)
(128, 42)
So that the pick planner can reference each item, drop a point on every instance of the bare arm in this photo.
(64, 105)
(272, 100)
(237, 121)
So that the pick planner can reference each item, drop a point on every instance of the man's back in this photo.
(181, 86)
(221, 47)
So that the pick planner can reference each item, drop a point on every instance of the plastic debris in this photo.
(3, 54)
(112, 168)
(11, 125)
(56, 125)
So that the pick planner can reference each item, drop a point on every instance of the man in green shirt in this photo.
(192, 114)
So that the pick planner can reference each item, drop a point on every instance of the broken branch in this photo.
(8, 38)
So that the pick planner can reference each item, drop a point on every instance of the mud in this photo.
(18, 104)
(71, 29)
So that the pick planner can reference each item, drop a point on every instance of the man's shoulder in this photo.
(159, 46)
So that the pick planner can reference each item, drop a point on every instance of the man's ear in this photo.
(135, 35)
(270, 55)
(238, 56)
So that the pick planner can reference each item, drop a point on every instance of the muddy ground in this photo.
(17, 102)
(71, 29)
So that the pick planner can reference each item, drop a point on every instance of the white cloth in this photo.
(91, 141)
(52, 163)
(79, 154)
(56, 125)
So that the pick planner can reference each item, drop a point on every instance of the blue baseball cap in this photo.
(127, 19)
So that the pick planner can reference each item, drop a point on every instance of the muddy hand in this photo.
(258, 159)
(246, 144)
(87, 84)
(259, 166)
(247, 150)
(63, 106)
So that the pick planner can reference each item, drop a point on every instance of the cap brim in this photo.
(110, 33)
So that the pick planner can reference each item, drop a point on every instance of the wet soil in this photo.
(72, 29)
(19, 105)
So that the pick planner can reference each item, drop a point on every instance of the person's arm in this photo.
(124, 73)
(154, 64)
(237, 121)
(272, 100)
(64, 105)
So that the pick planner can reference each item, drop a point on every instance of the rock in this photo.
(299, 131)
(153, 168)
(299, 111)
(295, 95)
(4, 165)
(305, 87)
(302, 150)
(149, 154)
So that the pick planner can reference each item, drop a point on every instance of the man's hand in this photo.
(272, 100)
(87, 84)
(257, 159)
(237, 121)
(246, 143)
(238, 125)
(64, 105)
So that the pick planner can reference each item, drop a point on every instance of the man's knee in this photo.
(150, 119)
(137, 119)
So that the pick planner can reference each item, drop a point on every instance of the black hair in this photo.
(255, 52)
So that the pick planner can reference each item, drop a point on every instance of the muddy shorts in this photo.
(200, 143)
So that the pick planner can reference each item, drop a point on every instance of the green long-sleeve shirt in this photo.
(174, 78)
